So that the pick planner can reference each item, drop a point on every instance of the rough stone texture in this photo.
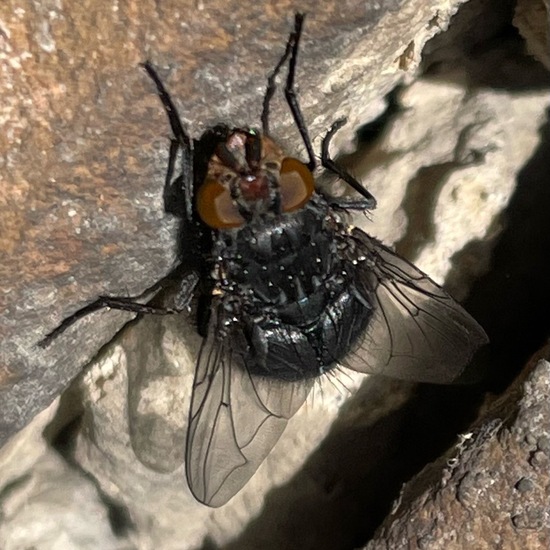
(84, 146)
(453, 153)
(532, 18)
(438, 179)
(494, 491)
(44, 501)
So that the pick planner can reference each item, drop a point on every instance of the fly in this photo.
(284, 290)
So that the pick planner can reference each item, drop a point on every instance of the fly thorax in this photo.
(290, 262)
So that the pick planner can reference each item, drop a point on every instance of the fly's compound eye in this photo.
(215, 206)
(296, 184)
(218, 210)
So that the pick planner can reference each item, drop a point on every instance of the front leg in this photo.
(182, 186)
(367, 202)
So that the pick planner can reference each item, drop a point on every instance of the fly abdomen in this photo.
(287, 351)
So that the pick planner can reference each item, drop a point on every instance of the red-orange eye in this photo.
(296, 183)
(215, 206)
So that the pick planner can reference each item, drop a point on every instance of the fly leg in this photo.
(291, 50)
(183, 297)
(368, 202)
(103, 302)
(272, 86)
(183, 184)
(290, 93)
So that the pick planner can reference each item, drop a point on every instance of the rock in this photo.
(45, 502)
(86, 185)
(532, 19)
(495, 486)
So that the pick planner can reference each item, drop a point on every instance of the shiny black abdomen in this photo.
(291, 292)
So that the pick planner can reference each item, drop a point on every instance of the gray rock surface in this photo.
(44, 501)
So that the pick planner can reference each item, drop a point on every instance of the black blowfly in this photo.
(284, 290)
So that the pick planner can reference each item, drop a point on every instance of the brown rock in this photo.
(495, 488)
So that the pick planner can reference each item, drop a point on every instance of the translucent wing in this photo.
(417, 330)
(235, 420)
